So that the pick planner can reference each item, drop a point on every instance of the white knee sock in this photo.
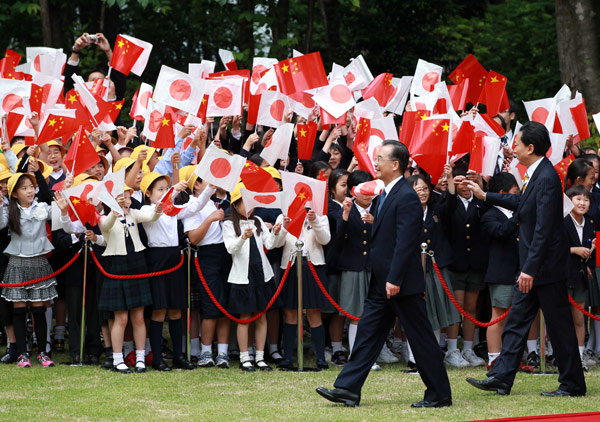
(411, 357)
(452, 344)
(222, 348)
(127, 347)
(581, 351)
(336, 346)
(206, 348)
(467, 345)
(140, 358)
(117, 358)
(443, 337)
(352, 335)
(195, 346)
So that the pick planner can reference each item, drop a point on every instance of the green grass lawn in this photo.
(67, 393)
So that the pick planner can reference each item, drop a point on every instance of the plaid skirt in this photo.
(21, 269)
(123, 295)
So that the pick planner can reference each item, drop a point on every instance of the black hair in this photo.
(335, 147)
(460, 169)
(412, 180)
(235, 217)
(578, 190)
(578, 168)
(256, 159)
(536, 134)
(97, 70)
(146, 199)
(591, 156)
(502, 181)
(502, 121)
(318, 167)
(16, 139)
(183, 197)
(14, 213)
(334, 177)
(357, 177)
(512, 106)
(399, 153)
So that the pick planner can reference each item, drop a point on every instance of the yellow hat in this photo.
(5, 172)
(12, 181)
(139, 148)
(127, 188)
(237, 192)
(45, 168)
(127, 162)
(273, 172)
(17, 148)
(186, 174)
(104, 163)
(149, 178)
(3, 161)
(83, 177)
(59, 145)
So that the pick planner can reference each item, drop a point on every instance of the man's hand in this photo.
(525, 282)
(391, 289)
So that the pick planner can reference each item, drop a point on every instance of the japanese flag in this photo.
(225, 97)
(426, 76)
(539, 110)
(219, 168)
(13, 95)
(268, 81)
(271, 111)
(109, 189)
(293, 182)
(179, 90)
(385, 128)
(202, 69)
(427, 101)
(557, 147)
(596, 118)
(52, 90)
(51, 64)
(491, 145)
(85, 95)
(153, 119)
(227, 59)
(141, 101)
(279, 145)
(276, 200)
(142, 61)
(357, 74)
(398, 101)
(369, 109)
(567, 205)
(32, 52)
(335, 98)
(261, 67)
(302, 103)
(368, 189)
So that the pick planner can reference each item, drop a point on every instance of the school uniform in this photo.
(461, 218)
(314, 234)
(251, 277)
(124, 253)
(579, 235)
(332, 254)
(503, 263)
(440, 309)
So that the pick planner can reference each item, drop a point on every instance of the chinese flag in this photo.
(257, 179)
(297, 211)
(167, 204)
(203, 107)
(470, 69)
(85, 210)
(125, 55)
(463, 141)
(13, 56)
(327, 119)
(429, 146)
(165, 138)
(253, 107)
(381, 89)
(581, 120)
(562, 166)
(361, 146)
(306, 135)
(115, 109)
(82, 155)
(36, 98)
(57, 127)
(458, 94)
(493, 94)
(476, 159)
(409, 121)
(300, 73)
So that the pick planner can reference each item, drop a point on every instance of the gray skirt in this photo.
(20, 270)
(354, 288)
(440, 309)
(594, 289)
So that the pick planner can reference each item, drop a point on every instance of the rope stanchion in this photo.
(227, 314)
(47, 277)
(460, 309)
(583, 311)
(134, 276)
(328, 296)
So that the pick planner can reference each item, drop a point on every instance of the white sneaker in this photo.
(395, 345)
(473, 360)
(386, 355)
(588, 358)
(375, 367)
(328, 354)
(454, 358)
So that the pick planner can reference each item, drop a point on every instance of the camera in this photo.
(92, 39)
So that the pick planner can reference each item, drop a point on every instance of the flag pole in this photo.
(109, 70)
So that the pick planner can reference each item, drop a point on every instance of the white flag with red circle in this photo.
(51, 64)
(369, 109)
(13, 95)
(357, 74)
(335, 98)
(398, 101)
(271, 111)
(202, 69)
(227, 59)
(261, 66)
(278, 147)
(141, 101)
(368, 189)
(302, 103)
(276, 200)
(426, 76)
(224, 97)
(293, 182)
(179, 90)
(219, 168)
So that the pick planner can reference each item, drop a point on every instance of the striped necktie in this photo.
(381, 200)
(525, 180)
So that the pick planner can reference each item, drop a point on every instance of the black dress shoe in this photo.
(322, 365)
(440, 403)
(247, 368)
(340, 395)
(140, 369)
(108, 363)
(560, 393)
(162, 367)
(284, 365)
(93, 360)
(7, 359)
(125, 370)
(491, 384)
(182, 363)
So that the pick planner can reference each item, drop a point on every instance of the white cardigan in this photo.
(114, 231)
(239, 248)
(314, 234)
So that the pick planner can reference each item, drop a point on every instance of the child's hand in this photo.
(180, 187)
(276, 229)
(248, 233)
(61, 202)
(581, 251)
(286, 221)
(142, 156)
(158, 209)
(217, 215)
(368, 218)
(69, 181)
(346, 206)
(175, 160)
(311, 215)
(90, 235)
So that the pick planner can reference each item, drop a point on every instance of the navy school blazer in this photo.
(503, 262)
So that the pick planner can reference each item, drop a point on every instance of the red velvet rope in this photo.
(227, 314)
(460, 309)
(47, 277)
(135, 276)
(328, 296)
(583, 311)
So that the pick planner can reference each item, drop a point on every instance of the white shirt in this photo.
(507, 213)
(425, 213)
(466, 202)
(138, 195)
(361, 210)
(390, 185)
(214, 235)
(531, 170)
(578, 227)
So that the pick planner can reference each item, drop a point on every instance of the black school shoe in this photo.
(108, 362)
(182, 363)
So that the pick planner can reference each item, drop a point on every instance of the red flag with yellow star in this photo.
(125, 55)
(82, 154)
(300, 73)
(493, 94)
(37, 98)
(297, 211)
(168, 207)
(430, 137)
(306, 135)
(409, 121)
(380, 88)
(165, 138)
(361, 146)
(476, 155)
(58, 126)
(562, 166)
(470, 69)
(257, 179)
(463, 140)
(85, 210)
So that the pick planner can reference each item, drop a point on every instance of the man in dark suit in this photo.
(543, 255)
(397, 290)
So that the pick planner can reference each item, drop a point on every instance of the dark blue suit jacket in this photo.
(503, 263)
(434, 236)
(395, 250)
(577, 266)
(352, 238)
(543, 244)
